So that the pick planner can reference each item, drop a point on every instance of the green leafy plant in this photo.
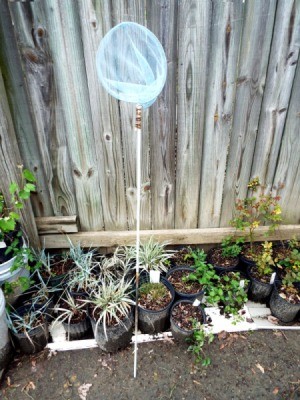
(153, 291)
(199, 339)
(258, 209)
(264, 260)
(231, 247)
(290, 268)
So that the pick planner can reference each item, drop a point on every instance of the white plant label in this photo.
(272, 279)
(196, 303)
(154, 276)
(242, 283)
(2, 245)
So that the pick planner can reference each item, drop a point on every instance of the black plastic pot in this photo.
(219, 268)
(117, 337)
(33, 342)
(179, 333)
(181, 295)
(155, 321)
(259, 291)
(281, 308)
(77, 330)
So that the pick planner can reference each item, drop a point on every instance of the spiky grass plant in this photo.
(82, 276)
(110, 302)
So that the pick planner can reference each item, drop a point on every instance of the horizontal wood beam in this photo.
(46, 225)
(172, 236)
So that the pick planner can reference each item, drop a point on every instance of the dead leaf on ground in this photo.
(253, 370)
(260, 368)
(197, 383)
(83, 390)
(223, 335)
(11, 385)
(29, 386)
(167, 339)
(273, 319)
(277, 333)
(276, 390)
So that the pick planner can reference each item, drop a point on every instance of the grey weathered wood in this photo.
(288, 166)
(254, 57)
(95, 23)
(21, 104)
(65, 43)
(32, 35)
(47, 225)
(279, 83)
(172, 236)
(134, 11)
(193, 49)
(10, 160)
(162, 21)
(226, 28)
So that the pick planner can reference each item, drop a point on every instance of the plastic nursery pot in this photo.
(259, 291)
(179, 294)
(232, 266)
(78, 330)
(179, 333)
(117, 337)
(281, 308)
(151, 321)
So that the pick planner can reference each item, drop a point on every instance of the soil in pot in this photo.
(182, 257)
(248, 253)
(260, 288)
(184, 288)
(285, 302)
(221, 263)
(183, 313)
(59, 270)
(154, 308)
(116, 336)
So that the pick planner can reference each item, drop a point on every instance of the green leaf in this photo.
(13, 187)
(14, 215)
(24, 195)
(28, 175)
(29, 187)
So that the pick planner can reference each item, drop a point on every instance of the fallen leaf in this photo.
(197, 383)
(272, 319)
(168, 340)
(28, 386)
(223, 335)
(222, 346)
(83, 390)
(278, 333)
(253, 370)
(276, 390)
(260, 368)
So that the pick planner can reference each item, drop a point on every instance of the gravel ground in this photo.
(259, 365)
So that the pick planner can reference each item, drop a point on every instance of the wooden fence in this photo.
(230, 110)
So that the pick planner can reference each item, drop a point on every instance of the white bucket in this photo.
(4, 338)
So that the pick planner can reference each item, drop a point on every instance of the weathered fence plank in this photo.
(21, 104)
(226, 28)
(105, 116)
(288, 166)
(63, 25)
(254, 57)
(193, 49)
(279, 83)
(9, 160)
(162, 21)
(134, 11)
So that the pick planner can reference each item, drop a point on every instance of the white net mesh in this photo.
(131, 64)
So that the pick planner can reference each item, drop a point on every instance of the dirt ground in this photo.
(259, 365)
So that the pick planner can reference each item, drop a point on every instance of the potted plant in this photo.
(182, 257)
(183, 316)
(179, 277)
(257, 209)
(72, 312)
(260, 274)
(226, 257)
(14, 254)
(29, 328)
(285, 298)
(154, 303)
(82, 278)
(110, 312)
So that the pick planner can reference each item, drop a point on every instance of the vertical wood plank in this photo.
(22, 110)
(63, 27)
(254, 57)
(9, 160)
(32, 36)
(279, 83)
(193, 49)
(134, 11)
(162, 21)
(288, 166)
(226, 28)
(95, 23)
